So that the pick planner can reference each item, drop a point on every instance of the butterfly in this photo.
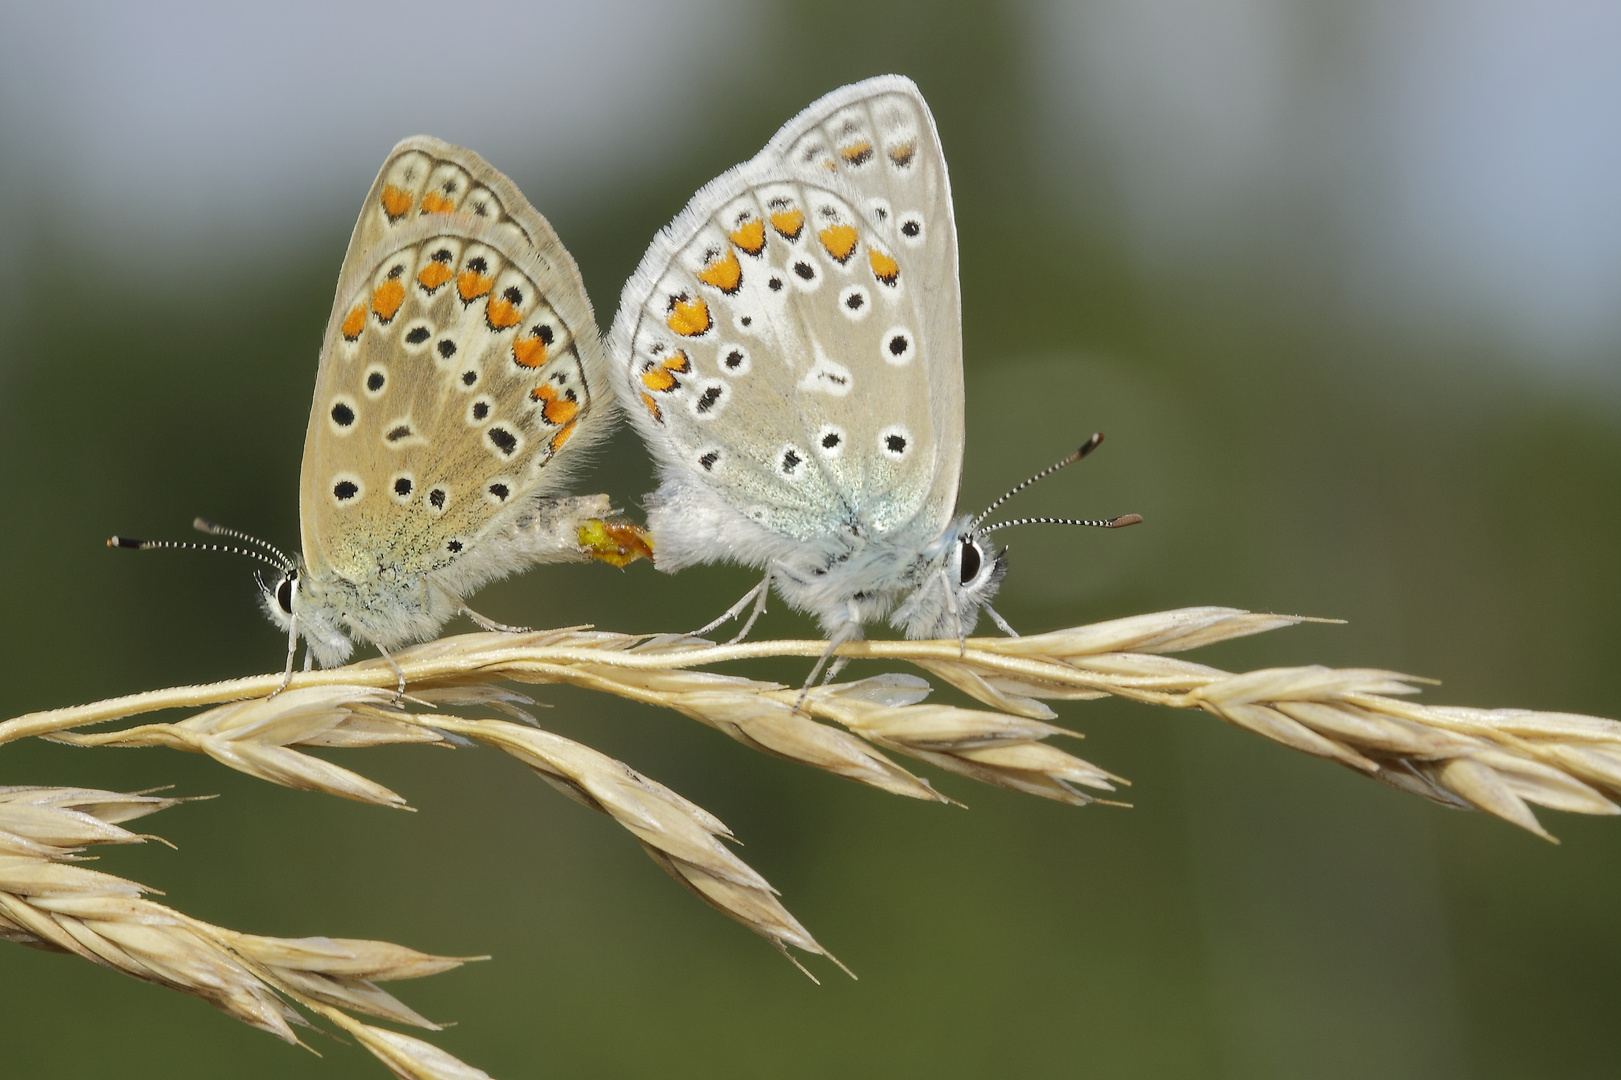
(461, 379)
(790, 350)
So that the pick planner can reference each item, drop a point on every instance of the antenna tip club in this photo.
(125, 542)
(202, 524)
(1125, 519)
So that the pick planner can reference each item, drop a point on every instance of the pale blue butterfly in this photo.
(460, 381)
(790, 348)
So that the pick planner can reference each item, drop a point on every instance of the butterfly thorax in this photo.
(851, 563)
(858, 584)
(388, 609)
(935, 592)
(318, 622)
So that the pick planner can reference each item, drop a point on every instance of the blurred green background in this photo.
(1341, 284)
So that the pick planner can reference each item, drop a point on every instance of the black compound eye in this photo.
(284, 595)
(970, 561)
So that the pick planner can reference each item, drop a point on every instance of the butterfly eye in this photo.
(970, 561)
(284, 594)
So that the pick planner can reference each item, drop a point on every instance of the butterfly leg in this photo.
(847, 632)
(484, 623)
(1006, 629)
(491, 624)
(956, 616)
(399, 673)
(292, 652)
(757, 595)
(764, 592)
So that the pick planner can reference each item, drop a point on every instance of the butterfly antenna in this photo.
(214, 528)
(1086, 448)
(1112, 523)
(188, 545)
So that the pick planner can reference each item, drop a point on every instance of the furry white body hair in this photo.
(845, 579)
(389, 608)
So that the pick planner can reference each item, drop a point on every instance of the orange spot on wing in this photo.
(561, 411)
(395, 202)
(354, 322)
(884, 268)
(788, 222)
(386, 300)
(750, 236)
(662, 377)
(659, 380)
(435, 203)
(529, 351)
(839, 240)
(434, 275)
(500, 313)
(723, 273)
(562, 436)
(857, 152)
(558, 408)
(689, 317)
(902, 154)
(653, 408)
(471, 284)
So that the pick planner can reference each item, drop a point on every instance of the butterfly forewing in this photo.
(789, 345)
(460, 359)
(425, 176)
(879, 140)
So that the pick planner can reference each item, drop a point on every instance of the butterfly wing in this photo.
(790, 347)
(460, 358)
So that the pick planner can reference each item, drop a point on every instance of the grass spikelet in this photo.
(995, 748)
(256, 737)
(1510, 758)
(50, 904)
(407, 1057)
(1501, 761)
(682, 837)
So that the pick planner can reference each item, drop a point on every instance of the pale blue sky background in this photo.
(1467, 152)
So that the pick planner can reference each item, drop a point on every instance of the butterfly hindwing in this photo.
(878, 139)
(460, 359)
(787, 345)
(775, 382)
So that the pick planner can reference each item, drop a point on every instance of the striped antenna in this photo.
(1086, 448)
(188, 545)
(1112, 523)
(214, 528)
